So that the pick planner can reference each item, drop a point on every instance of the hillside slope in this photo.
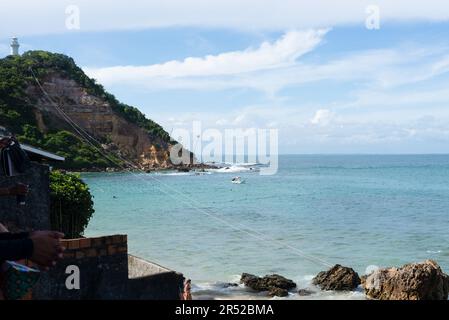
(122, 130)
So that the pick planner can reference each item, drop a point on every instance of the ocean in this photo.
(361, 211)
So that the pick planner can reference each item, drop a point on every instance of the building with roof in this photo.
(107, 271)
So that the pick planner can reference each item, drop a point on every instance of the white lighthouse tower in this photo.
(15, 46)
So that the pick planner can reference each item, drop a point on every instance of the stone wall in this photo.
(103, 265)
(35, 214)
(108, 273)
(102, 261)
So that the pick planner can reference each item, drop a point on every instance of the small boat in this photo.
(237, 180)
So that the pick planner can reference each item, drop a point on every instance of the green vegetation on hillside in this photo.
(17, 115)
(79, 155)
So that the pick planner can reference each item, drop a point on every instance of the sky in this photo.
(357, 77)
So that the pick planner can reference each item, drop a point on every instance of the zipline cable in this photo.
(187, 200)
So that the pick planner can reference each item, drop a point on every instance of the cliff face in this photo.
(96, 116)
(122, 131)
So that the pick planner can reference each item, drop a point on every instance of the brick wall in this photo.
(108, 272)
(95, 247)
(103, 265)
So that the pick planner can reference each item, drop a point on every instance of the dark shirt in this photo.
(15, 246)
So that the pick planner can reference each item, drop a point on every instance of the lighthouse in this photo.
(15, 47)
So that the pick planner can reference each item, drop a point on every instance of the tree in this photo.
(71, 204)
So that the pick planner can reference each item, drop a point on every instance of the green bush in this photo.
(71, 204)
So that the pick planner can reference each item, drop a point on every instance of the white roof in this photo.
(45, 154)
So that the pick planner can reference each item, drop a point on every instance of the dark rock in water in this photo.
(415, 281)
(278, 292)
(337, 278)
(278, 281)
(267, 283)
(229, 285)
(249, 280)
(305, 292)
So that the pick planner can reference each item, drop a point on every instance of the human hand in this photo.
(47, 247)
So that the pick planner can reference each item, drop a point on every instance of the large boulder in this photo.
(278, 292)
(337, 278)
(268, 283)
(415, 281)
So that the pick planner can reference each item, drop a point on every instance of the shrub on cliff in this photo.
(71, 204)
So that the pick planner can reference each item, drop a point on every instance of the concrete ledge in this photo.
(150, 281)
(138, 267)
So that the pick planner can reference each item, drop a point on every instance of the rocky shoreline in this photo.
(414, 281)
(199, 167)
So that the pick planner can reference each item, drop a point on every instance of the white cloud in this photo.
(281, 53)
(322, 117)
(377, 119)
(266, 70)
(25, 17)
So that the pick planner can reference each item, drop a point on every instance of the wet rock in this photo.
(229, 285)
(338, 278)
(249, 280)
(278, 292)
(415, 281)
(305, 292)
(277, 281)
(267, 283)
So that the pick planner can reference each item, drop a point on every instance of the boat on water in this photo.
(237, 180)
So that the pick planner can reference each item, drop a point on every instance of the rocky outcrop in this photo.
(415, 281)
(278, 292)
(276, 285)
(337, 278)
(305, 292)
(96, 116)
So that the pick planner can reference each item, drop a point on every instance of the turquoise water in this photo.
(353, 210)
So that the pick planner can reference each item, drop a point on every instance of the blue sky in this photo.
(316, 73)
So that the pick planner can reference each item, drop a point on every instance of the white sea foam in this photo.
(174, 173)
(232, 169)
(225, 291)
(433, 251)
(242, 164)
